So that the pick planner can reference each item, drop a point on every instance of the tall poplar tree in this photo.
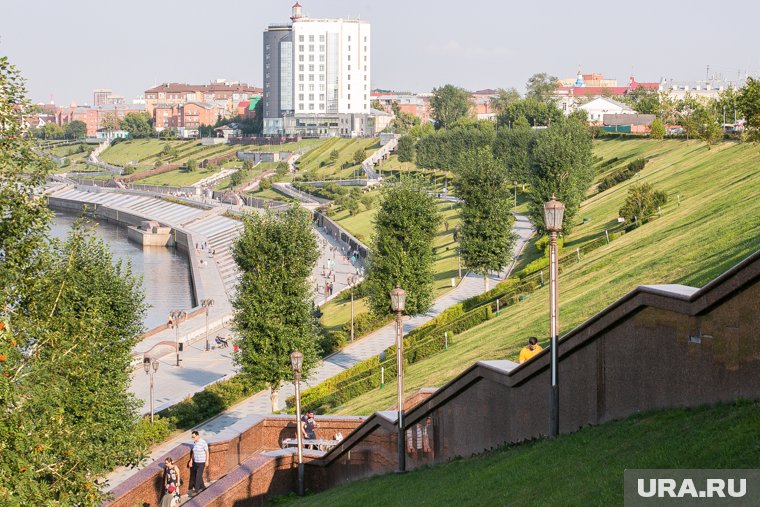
(402, 249)
(486, 237)
(273, 305)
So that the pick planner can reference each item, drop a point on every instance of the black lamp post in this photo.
(398, 300)
(553, 214)
(207, 303)
(151, 367)
(174, 317)
(296, 362)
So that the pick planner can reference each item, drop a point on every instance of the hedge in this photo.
(365, 376)
(622, 175)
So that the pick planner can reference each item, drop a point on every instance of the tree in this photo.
(560, 166)
(643, 101)
(748, 101)
(448, 104)
(537, 113)
(137, 124)
(657, 129)
(368, 200)
(52, 131)
(642, 203)
(109, 122)
(191, 165)
(541, 87)
(76, 129)
(404, 122)
(273, 307)
(512, 148)
(402, 249)
(334, 156)
(406, 149)
(504, 98)
(486, 236)
(359, 156)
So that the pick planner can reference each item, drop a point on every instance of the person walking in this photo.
(171, 496)
(197, 464)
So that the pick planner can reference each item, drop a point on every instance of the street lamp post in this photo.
(174, 318)
(207, 303)
(296, 362)
(151, 367)
(398, 299)
(515, 183)
(553, 213)
(351, 281)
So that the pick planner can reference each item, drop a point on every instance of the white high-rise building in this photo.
(317, 76)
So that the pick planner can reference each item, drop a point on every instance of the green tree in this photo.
(191, 165)
(405, 149)
(368, 200)
(137, 124)
(541, 87)
(748, 101)
(504, 98)
(273, 307)
(644, 101)
(512, 148)
(404, 122)
(359, 156)
(560, 166)
(76, 129)
(402, 249)
(52, 131)
(449, 104)
(537, 113)
(334, 156)
(642, 203)
(109, 122)
(657, 129)
(486, 236)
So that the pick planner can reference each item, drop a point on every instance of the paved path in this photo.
(354, 353)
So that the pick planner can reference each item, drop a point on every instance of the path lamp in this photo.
(174, 317)
(553, 213)
(151, 367)
(207, 303)
(352, 282)
(296, 362)
(515, 183)
(398, 299)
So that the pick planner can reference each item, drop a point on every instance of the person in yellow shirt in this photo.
(531, 350)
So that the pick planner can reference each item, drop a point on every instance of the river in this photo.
(165, 272)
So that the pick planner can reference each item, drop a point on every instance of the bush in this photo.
(364, 323)
(542, 245)
(148, 433)
(502, 288)
(622, 175)
(332, 341)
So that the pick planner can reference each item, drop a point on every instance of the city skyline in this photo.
(75, 48)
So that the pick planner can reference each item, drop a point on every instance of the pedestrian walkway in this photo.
(372, 345)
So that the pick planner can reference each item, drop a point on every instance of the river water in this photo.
(165, 271)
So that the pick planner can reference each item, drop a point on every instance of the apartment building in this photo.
(317, 76)
(223, 94)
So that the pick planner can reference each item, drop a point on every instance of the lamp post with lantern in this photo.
(174, 317)
(398, 300)
(207, 303)
(553, 214)
(296, 362)
(151, 367)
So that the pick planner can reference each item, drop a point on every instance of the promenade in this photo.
(352, 354)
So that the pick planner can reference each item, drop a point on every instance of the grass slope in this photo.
(562, 471)
(716, 225)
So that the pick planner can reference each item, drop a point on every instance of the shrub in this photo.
(364, 323)
(332, 341)
(622, 175)
(148, 433)
(542, 245)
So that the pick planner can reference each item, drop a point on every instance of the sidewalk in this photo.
(373, 344)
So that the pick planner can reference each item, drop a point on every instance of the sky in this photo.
(65, 49)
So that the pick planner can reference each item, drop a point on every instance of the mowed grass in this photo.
(346, 148)
(138, 150)
(561, 471)
(716, 225)
(177, 178)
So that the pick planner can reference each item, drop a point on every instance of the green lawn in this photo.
(584, 469)
(715, 226)
(177, 178)
(137, 150)
(310, 162)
